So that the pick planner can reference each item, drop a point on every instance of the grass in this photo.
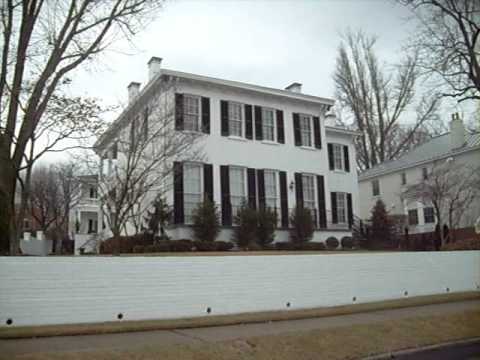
(337, 343)
(219, 320)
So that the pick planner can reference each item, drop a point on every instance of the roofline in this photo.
(342, 130)
(230, 83)
(385, 172)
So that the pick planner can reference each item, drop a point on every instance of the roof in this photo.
(436, 148)
(230, 83)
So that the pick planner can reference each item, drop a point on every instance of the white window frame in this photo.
(242, 119)
(310, 125)
(433, 215)
(338, 150)
(268, 197)
(185, 113)
(273, 125)
(314, 190)
(241, 198)
(187, 210)
(342, 216)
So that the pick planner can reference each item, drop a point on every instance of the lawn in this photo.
(337, 343)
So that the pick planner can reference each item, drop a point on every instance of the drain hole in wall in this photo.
(209, 310)
(405, 293)
(9, 322)
(448, 289)
(288, 304)
(354, 299)
(120, 316)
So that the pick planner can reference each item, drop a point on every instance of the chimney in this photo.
(154, 66)
(457, 132)
(294, 87)
(133, 90)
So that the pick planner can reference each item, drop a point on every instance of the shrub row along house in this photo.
(231, 142)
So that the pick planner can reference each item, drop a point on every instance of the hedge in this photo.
(467, 244)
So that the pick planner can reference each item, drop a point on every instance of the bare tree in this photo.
(144, 151)
(448, 43)
(451, 189)
(380, 102)
(43, 41)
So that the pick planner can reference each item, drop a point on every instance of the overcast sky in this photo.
(270, 43)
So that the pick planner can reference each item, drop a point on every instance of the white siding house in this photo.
(270, 147)
(390, 180)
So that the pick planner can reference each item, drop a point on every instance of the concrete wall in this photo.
(32, 246)
(35, 291)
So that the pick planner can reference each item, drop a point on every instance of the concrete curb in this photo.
(412, 351)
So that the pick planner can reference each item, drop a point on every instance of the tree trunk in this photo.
(8, 241)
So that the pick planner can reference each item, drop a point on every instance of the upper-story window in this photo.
(403, 177)
(93, 192)
(191, 113)
(338, 160)
(413, 217)
(375, 187)
(235, 119)
(192, 193)
(428, 215)
(268, 124)
(271, 194)
(238, 191)
(424, 173)
(305, 130)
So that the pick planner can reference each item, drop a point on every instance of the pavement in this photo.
(128, 341)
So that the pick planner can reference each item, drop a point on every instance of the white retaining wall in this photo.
(58, 290)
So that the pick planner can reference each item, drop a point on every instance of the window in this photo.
(341, 207)
(271, 197)
(424, 173)
(192, 189)
(235, 119)
(237, 188)
(191, 113)
(92, 226)
(413, 217)
(338, 157)
(93, 192)
(305, 130)
(309, 192)
(376, 187)
(428, 215)
(403, 178)
(26, 224)
(268, 124)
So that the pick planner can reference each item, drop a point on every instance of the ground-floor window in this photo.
(238, 193)
(413, 217)
(271, 191)
(428, 215)
(309, 202)
(192, 189)
(341, 207)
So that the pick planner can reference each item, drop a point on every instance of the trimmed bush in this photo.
(206, 221)
(138, 249)
(467, 244)
(311, 246)
(182, 245)
(347, 242)
(286, 246)
(332, 243)
(266, 224)
(245, 229)
(303, 227)
(223, 245)
(205, 245)
(124, 244)
(254, 247)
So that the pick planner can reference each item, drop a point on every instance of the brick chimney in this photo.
(154, 67)
(457, 132)
(294, 87)
(133, 90)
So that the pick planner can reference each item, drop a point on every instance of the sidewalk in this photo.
(131, 341)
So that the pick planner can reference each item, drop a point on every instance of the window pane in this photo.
(305, 130)
(341, 207)
(237, 188)
(338, 156)
(268, 124)
(192, 189)
(191, 113)
(235, 119)
(271, 189)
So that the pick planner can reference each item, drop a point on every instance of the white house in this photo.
(270, 147)
(390, 180)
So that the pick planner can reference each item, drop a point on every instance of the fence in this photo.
(56, 290)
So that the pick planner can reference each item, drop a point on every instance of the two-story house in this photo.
(269, 147)
(392, 181)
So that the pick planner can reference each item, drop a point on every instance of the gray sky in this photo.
(270, 43)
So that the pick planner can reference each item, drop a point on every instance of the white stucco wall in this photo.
(36, 291)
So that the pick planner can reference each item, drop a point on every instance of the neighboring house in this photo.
(85, 215)
(270, 147)
(390, 180)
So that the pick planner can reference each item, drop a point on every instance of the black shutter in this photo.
(252, 192)
(178, 213)
(208, 181)
(350, 210)
(317, 137)
(334, 207)
(299, 189)
(330, 157)
(346, 158)
(261, 188)
(322, 212)
(296, 130)
(280, 127)
(283, 198)
(248, 122)
(178, 111)
(206, 115)
(225, 189)
(258, 123)
(224, 117)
